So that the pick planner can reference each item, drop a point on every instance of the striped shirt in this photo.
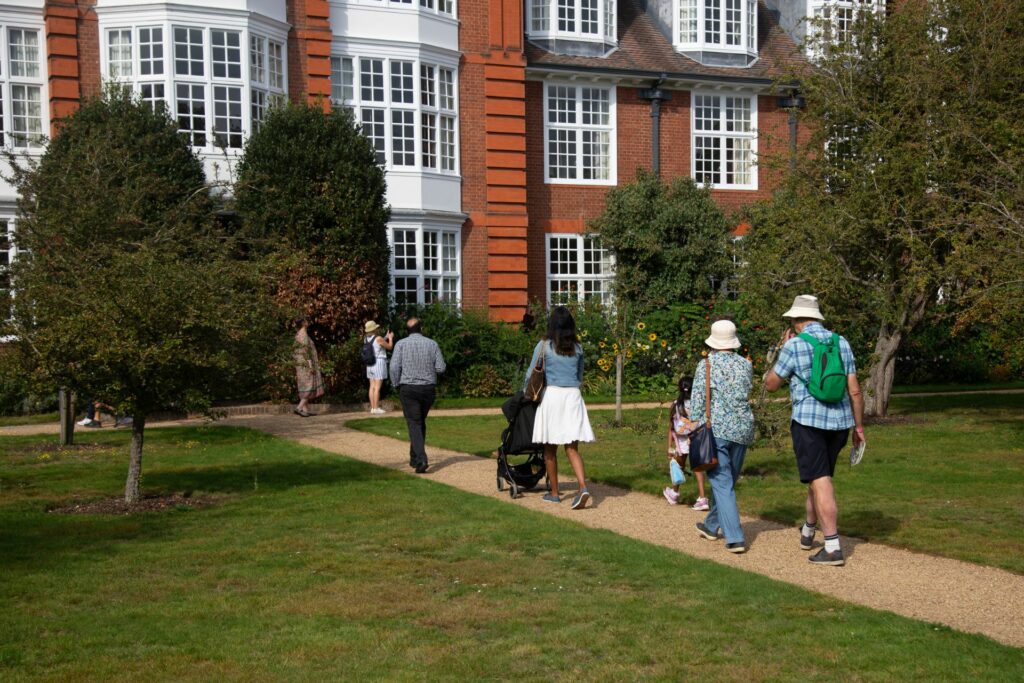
(795, 359)
(416, 360)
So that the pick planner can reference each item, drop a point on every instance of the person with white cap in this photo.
(732, 423)
(378, 372)
(820, 428)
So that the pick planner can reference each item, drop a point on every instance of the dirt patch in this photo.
(149, 503)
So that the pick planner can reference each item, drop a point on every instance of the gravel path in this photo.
(963, 596)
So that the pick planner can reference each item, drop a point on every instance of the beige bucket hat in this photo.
(723, 336)
(804, 306)
(370, 327)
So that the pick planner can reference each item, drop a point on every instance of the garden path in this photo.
(961, 595)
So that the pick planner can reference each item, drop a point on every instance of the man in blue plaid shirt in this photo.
(415, 364)
(820, 430)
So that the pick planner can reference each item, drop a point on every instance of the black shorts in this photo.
(816, 450)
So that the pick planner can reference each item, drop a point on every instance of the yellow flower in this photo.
(629, 354)
(615, 348)
(641, 326)
(601, 344)
(664, 343)
(652, 336)
(583, 333)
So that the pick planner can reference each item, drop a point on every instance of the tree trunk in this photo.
(618, 389)
(67, 417)
(878, 388)
(131, 486)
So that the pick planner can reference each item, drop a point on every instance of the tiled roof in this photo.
(644, 49)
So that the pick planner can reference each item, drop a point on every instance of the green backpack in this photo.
(828, 374)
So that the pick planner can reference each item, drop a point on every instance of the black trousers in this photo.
(416, 403)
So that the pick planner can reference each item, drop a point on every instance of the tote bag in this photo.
(703, 449)
(535, 385)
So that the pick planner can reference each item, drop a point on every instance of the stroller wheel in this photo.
(501, 483)
(513, 490)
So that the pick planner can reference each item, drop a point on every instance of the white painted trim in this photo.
(421, 226)
(602, 37)
(579, 127)
(703, 46)
(579, 277)
(753, 137)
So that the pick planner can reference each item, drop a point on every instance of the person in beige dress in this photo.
(307, 369)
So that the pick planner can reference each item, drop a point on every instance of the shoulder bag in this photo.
(703, 449)
(535, 385)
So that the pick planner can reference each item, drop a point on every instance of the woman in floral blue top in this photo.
(732, 422)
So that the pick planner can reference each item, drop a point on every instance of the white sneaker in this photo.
(701, 505)
(671, 496)
(84, 422)
(378, 411)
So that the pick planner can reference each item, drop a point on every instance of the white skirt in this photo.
(562, 417)
(378, 370)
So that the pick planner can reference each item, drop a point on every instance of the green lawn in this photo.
(945, 473)
(316, 567)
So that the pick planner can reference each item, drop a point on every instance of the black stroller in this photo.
(517, 440)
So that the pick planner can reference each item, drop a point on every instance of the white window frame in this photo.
(421, 273)
(722, 134)
(543, 20)
(33, 141)
(444, 9)
(577, 243)
(579, 127)
(819, 10)
(253, 90)
(443, 113)
(747, 32)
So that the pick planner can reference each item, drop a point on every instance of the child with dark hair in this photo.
(680, 426)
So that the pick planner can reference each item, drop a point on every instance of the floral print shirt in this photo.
(731, 379)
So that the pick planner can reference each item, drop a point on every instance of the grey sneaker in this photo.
(806, 541)
(551, 498)
(824, 557)
(736, 547)
(580, 501)
(706, 532)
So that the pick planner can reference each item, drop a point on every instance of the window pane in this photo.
(403, 138)
(712, 21)
(429, 135)
(401, 83)
(738, 158)
(227, 116)
(258, 109)
(119, 53)
(371, 80)
(431, 251)
(448, 143)
(373, 128)
(733, 22)
(190, 100)
(26, 116)
(405, 290)
(561, 104)
(188, 51)
(588, 17)
(275, 65)
(567, 15)
(448, 253)
(707, 153)
(153, 94)
(404, 246)
(151, 51)
(596, 155)
(707, 110)
(539, 18)
(257, 59)
(446, 85)
(23, 47)
(737, 114)
(428, 95)
(687, 21)
(596, 106)
(226, 54)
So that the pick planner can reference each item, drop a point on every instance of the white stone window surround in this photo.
(728, 26)
(730, 131)
(581, 20)
(28, 87)
(443, 107)
(840, 15)
(577, 268)
(167, 17)
(441, 8)
(426, 262)
(579, 127)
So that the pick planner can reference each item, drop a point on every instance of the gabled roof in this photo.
(643, 49)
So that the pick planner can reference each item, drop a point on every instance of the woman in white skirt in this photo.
(562, 416)
(378, 372)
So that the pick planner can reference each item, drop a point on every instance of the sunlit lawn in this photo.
(946, 476)
(311, 566)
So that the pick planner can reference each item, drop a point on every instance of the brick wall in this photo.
(309, 52)
(72, 55)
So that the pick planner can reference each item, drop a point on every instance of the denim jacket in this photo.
(559, 371)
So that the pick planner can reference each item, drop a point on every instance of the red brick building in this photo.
(501, 124)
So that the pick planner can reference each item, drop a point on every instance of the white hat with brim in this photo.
(804, 306)
(723, 336)
(371, 327)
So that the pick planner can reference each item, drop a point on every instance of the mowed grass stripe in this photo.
(314, 566)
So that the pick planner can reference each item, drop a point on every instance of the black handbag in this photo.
(535, 385)
(703, 449)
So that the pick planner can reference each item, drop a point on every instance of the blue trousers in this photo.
(723, 512)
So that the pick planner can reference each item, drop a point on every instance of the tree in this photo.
(310, 191)
(669, 240)
(130, 294)
(884, 207)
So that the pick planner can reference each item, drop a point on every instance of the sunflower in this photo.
(615, 348)
(641, 326)
(629, 354)
(652, 336)
(664, 343)
(601, 344)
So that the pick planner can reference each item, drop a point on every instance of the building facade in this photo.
(501, 124)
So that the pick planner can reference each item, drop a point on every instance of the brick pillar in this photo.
(504, 217)
(309, 52)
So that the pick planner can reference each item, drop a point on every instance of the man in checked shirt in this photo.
(820, 430)
(415, 364)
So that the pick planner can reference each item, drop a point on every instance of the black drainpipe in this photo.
(792, 103)
(655, 95)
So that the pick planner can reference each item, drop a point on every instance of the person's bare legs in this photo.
(572, 451)
(821, 505)
(700, 485)
(303, 405)
(375, 385)
(551, 465)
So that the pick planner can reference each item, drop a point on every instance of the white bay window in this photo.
(575, 20)
(23, 116)
(705, 28)
(724, 140)
(425, 265)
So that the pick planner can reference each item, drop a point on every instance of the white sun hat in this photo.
(804, 306)
(370, 327)
(723, 336)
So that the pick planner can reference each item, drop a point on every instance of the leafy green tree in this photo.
(669, 239)
(903, 177)
(310, 191)
(129, 294)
